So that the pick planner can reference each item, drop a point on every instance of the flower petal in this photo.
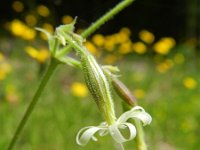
(86, 133)
(136, 112)
(105, 131)
(117, 135)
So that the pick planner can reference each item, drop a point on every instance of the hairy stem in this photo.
(106, 17)
(52, 66)
(110, 14)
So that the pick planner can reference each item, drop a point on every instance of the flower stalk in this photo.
(140, 137)
(51, 68)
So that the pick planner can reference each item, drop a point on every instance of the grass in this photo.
(59, 114)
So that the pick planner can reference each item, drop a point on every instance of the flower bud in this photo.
(98, 86)
(123, 92)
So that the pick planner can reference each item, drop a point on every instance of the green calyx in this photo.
(99, 87)
(95, 78)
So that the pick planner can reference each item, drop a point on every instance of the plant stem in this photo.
(140, 138)
(106, 17)
(110, 14)
(51, 68)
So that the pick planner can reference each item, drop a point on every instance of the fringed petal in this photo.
(85, 134)
(136, 112)
(118, 136)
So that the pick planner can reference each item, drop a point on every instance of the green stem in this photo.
(52, 66)
(106, 17)
(110, 14)
(140, 138)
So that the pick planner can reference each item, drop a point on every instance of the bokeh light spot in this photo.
(18, 6)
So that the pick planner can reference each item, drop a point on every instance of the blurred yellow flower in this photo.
(18, 28)
(67, 19)
(139, 47)
(125, 48)
(48, 27)
(121, 37)
(110, 42)
(110, 59)
(189, 83)
(18, 6)
(29, 34)
(139, 93)
(164, 66)
(79, 89)
(98, 39)
(126, 30)
(146, 36)
(43, 11)
(164, 45)
(40, 55)
(31, 20)
(179, 58)
(43, 55)
(92, 48)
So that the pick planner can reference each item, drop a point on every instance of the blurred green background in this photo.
(155, 45)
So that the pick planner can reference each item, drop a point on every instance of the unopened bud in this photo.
(98, 86)
(123, 91)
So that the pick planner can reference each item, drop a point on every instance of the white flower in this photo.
(87, 133)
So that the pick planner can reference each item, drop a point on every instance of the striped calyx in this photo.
(98, 86)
